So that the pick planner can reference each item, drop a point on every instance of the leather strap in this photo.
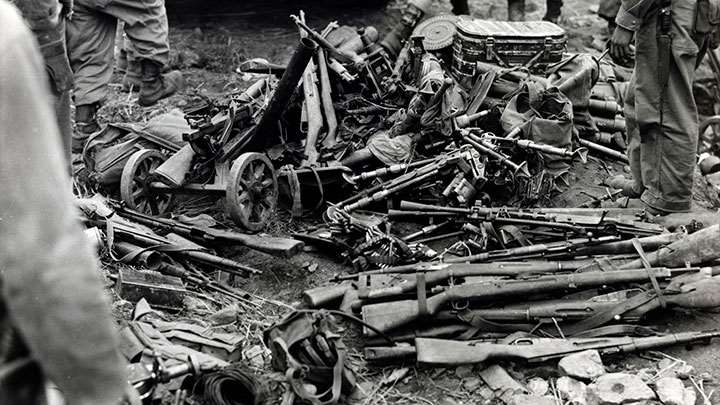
(611, 314)
(653, 280)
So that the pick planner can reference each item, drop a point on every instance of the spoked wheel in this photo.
(709, 134)
(252, 191)
(135, 183)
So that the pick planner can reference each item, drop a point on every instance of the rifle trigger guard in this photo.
(458, 307)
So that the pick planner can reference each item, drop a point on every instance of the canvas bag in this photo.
(307, 349)
(546, 117)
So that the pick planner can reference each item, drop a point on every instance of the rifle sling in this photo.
(604, 317)
(653, 280)
(617, 330)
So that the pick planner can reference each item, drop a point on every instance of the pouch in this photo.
(306, 347)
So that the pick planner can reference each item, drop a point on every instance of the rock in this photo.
(585, 365)
(618, 388)
(538, 386)
(525, 399)
(672, 391)
(503, 385)
(572, 390)
(471, 383)
(464, 371)
(690, 396)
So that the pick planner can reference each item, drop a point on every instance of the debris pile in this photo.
(425, 152)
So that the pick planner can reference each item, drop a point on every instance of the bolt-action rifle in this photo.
(450, 352)
(389, 315)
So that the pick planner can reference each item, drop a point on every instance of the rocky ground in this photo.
(209, 46)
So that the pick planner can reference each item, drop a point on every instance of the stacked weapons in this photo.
(174, 248)
(561, 293)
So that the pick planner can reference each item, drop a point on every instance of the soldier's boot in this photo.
(627, 186)
(156, 85)
(460, 7)
(553, 10)
(516, 10)
(629, 202)
(85, 125)
(132, 80)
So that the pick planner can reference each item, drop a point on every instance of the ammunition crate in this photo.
(506, 43)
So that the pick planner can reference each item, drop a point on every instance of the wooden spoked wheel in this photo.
(135, 182)
(252, 191)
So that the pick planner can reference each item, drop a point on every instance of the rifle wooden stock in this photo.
(388, 316)
(320, 297)
(450, 352)
(314, 114)
(327, 102)
(700, 247)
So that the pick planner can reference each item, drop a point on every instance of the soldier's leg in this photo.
(90, 38)
(668, 120)
(460, 7)
(516, 10)
(146, 27)
(553, 10)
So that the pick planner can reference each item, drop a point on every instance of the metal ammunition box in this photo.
(506, 43)
(158, 289)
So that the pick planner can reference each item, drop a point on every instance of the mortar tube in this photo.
(266, 129)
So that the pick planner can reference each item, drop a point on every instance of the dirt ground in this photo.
(208, 48)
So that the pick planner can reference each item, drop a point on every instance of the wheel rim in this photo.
(135, 183)
(253, 191)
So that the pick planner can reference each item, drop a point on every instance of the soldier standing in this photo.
(46, 19)
(54, 319)
(670, 39)
(91, 40)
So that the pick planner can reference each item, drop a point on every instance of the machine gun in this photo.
(450, 352)
(580, 224)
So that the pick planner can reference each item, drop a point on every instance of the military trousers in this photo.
(662, 124)
(91, 41)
